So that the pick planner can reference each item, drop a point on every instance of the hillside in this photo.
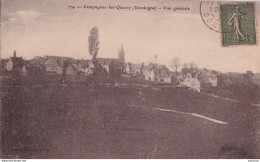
(83, 122)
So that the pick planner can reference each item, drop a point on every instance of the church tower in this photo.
(121, 54)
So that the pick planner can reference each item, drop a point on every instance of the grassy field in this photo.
(84, 122)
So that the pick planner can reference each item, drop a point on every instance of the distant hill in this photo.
(256, 79)
(257, 76)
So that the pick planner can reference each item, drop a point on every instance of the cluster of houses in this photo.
(198, 79)
(195, 79)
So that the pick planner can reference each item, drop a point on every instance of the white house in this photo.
(191, 82)
(85, 66)
(157, 73)
(149, 72)
(195, 85)
(23, 71)
(210, 75)
(134, 69)
(9, 65)
(52, 66)
(213, 80)
(186, 80)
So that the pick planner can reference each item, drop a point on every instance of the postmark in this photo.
(209, 12)
(237, 24)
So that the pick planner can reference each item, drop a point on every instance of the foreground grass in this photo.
(83, 122)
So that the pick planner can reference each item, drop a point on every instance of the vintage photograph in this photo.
(132, 79)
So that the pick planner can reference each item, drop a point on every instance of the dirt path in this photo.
(185, 113)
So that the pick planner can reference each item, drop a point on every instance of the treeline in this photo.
(241, 86)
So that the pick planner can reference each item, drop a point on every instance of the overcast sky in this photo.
(49, 27)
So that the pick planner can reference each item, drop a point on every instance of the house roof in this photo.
(136, 66)
(51, 63)
(32, 67)
(73, 70)
(212, 76)
(208, 73)
(38, 57)
(81, 64)
(57, 57)
(36, 60)
(149, 67)
(108, 61)
(204, 80)
(159, 67)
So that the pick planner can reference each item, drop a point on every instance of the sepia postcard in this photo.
(132, 79)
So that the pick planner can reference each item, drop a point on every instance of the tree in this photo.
(175, 63)
(64, 67)
(93, 48)
(36, 73)
(193, 66)
(130, 68)
(249, 75)
(185, 66)
(185, 69)
(141, 70)
(93, 41)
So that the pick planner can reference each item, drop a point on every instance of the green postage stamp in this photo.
(238, 24)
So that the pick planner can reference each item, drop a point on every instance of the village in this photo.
(120, 109)
(50, 68)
